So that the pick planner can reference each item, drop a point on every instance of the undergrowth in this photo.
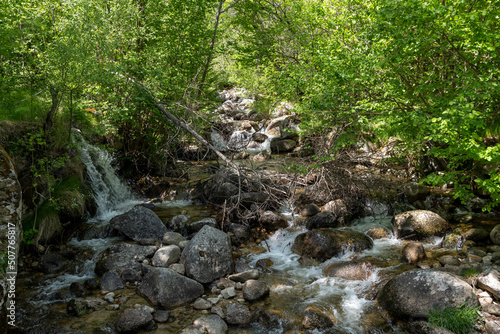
(459, 319)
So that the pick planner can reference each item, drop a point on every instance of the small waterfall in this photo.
(111, 195)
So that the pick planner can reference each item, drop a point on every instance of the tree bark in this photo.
(49, 120)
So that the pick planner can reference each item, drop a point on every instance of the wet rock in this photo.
(322, 219)
(91, 284)
(228, 293)
(132, 320)
(413, 252)
(310, 210)
(491, 308)
(198, 225)
(245, 276)
(495, 235)
(241, 266)
(324, 244)
(415, 192)
(101, 232)
(377, 233)
(192, 329)
(178, 223)
(172, 238)
(165, 288)
(419, 224)
(202, 304)
(279, 145)
(254, 290)
(208, 256)
(349, 270)
(259, 137)
(51, 263)
(451, 260)
(82, 306)
(139, 223)
(476, 234)
(254, 197)
(264, 263)
(490, 281)
(492, 326)
(165, 256)
(337, 206)
(213, 324)
(111, 281)
(130, 276)
(272, 221)
(123, 256)
(238, 314)
(161, 316)
(178, 268)
(77, 289)
(413, 293)
(316, 319)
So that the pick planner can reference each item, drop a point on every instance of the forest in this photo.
(423, 71)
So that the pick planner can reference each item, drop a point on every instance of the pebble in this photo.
(228, 293)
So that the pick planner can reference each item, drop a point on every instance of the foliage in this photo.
(459, 319)
(470, 272)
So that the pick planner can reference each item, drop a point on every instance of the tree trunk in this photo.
(49, 120)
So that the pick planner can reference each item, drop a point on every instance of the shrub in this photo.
(459, 319)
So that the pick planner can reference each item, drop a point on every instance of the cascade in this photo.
(111, 195)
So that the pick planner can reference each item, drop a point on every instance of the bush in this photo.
(459, 319)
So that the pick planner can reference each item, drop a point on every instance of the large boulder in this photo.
(279, 145)
(322, 219)
(123, 256)
(413, 293)
(495, 235)
(208, 256)
(139, 223)
(255, 290)
(323, 244)
(419, 224)
(132, 320)
(167, 289)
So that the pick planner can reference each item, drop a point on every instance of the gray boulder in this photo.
(255, 290)
(324, 244)
(139, 223)
(123, 256)
(413, 293)
(165, 288)
(178, 223)
(213, 324)
(419, 224)
(111, 281)
(132, 320)
(322, 219)
(172, 238)
(81, 306)
(495, 235)
(490, 281)
(238, 314)
(208, 256)
(198, 225)
(316, 319)
(279, 145)
(245, 276)
(165, 256)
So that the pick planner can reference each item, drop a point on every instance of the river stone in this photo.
(415, 192)
(413, 252)
(423, 327)
(201, 304)
(192, 329)
(377, 233)
(337, 206)
(245, 276)
(316, 319)
(165, 288)
(239, 233)
(178, 268)
(254, 290)
(208, 256)
(165, 256)
(132, 320)
(349, 270)
(139, 223)
(259, 137)
(213, 324)
(272, 221)
(51, 263)
(310, 210)
(130, 276)
(172, 238)
(111, 281)
(322, 219)
(495, 235)
(490, 281)
(324, 244)
(198, 225)
(238, 314)
(161, 316)
(81, 306)
(254, 197)
(279, 145)
(413, 293)
(262, 156)
(123, 256)
(476, 234)
(178, 223)
(418, 224)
